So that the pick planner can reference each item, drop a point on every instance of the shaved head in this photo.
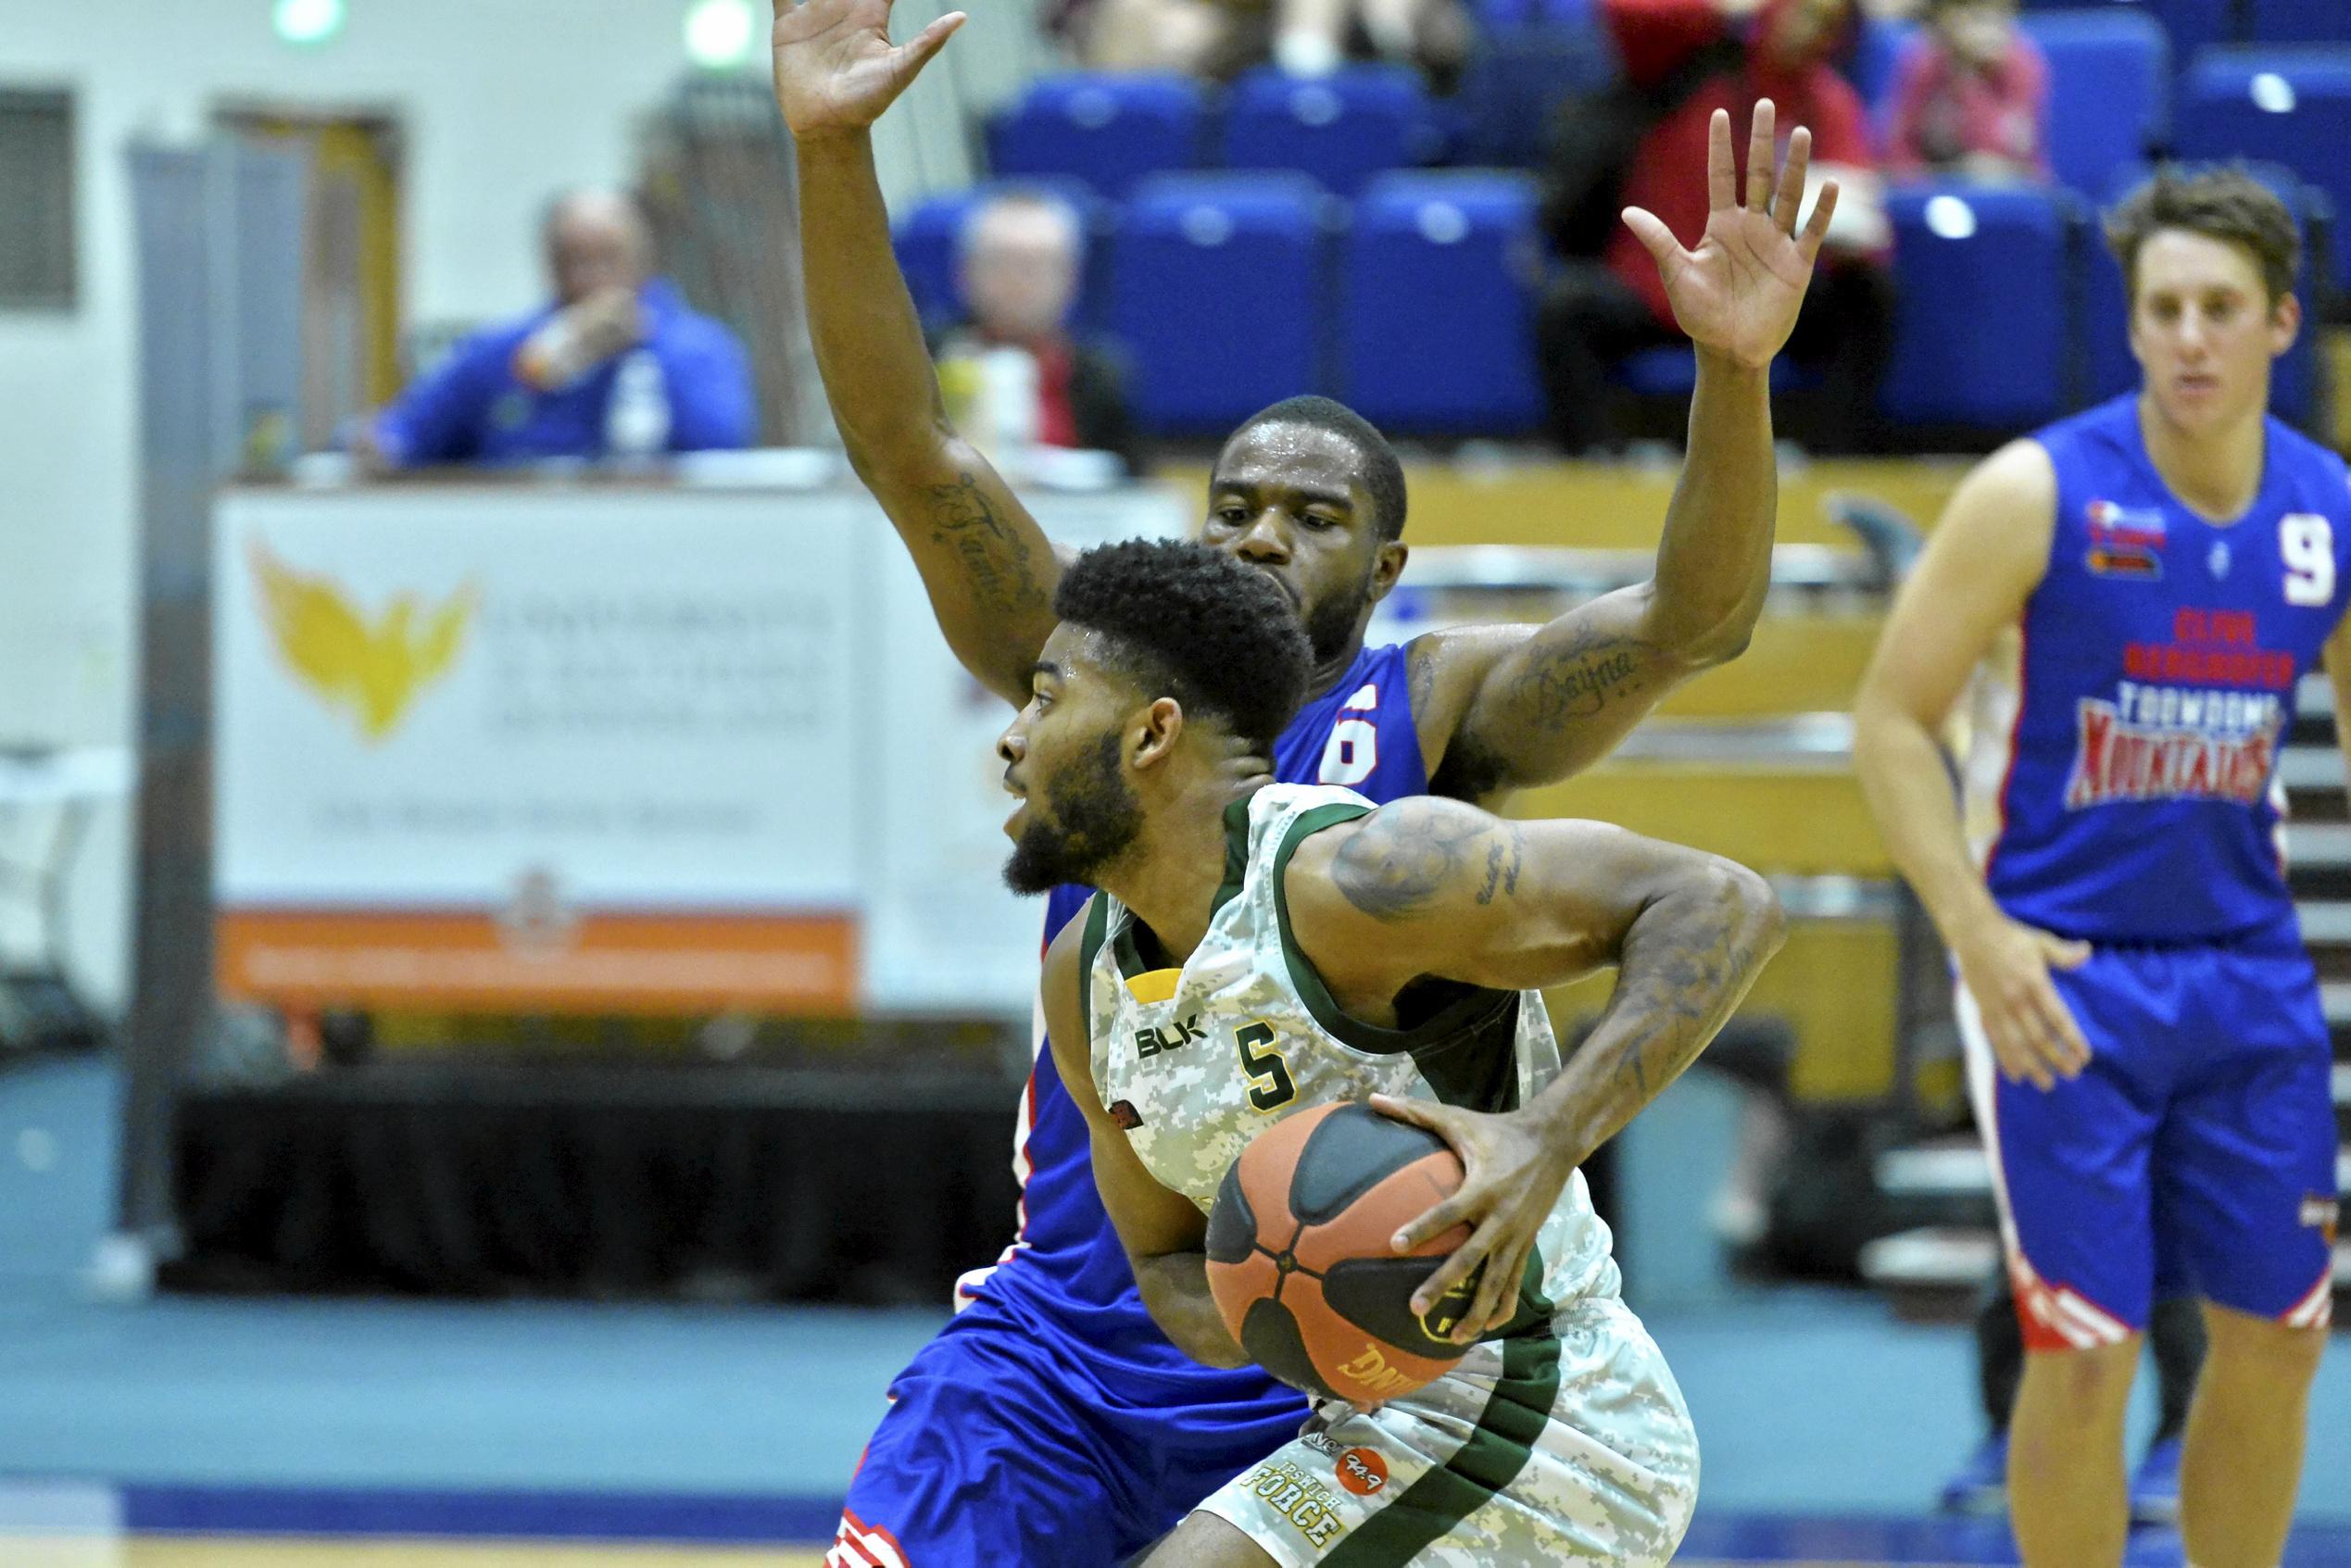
(596, 239)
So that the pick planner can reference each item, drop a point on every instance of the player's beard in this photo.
(1092, 817)
(1330, 625)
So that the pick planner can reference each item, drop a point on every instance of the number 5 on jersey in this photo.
(1270, 1086)
(2306, 542)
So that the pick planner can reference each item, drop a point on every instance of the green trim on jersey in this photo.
(1497, 1450)
(1089, 945)
(1477, 1008)
(1236, 852)
(1124, 947)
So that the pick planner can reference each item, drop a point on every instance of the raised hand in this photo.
(835, 68)
(1738, 293)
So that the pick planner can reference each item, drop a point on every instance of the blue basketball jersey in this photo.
(1065, 1267)
(2130, 774)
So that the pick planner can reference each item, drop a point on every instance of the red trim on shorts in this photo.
(860, 1545)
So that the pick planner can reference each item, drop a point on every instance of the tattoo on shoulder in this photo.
(1402, 858)
(995, 557)
(1420, 669)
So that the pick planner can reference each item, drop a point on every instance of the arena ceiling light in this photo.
(1950, 218)
(720, 34)
(306, 21)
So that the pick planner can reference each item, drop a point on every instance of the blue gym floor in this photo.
(324, 1434)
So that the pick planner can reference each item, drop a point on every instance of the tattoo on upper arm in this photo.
(1580, 678)
(995, 557)
(1400, 860)
(1504, 854)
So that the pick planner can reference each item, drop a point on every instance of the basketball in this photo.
(1300, 1261)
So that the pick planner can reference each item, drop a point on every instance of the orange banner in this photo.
(585, 964)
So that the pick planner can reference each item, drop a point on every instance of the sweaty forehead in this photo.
(1078, 655)
(1277, 455)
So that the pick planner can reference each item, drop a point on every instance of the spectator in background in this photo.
(1020, 259)
(1217, 40)
(1972, 99)
(617, 366)
(1633, 147)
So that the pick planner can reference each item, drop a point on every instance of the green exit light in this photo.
(306, 21)
(719, 34)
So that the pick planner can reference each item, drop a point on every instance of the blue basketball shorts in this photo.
(2195, 1155)
(1006, 1443)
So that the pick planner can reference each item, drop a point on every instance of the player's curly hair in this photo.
(2223, 202)
(1220, 637)
(1382, 474)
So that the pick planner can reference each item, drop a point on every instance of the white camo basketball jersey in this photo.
(1194, 1062)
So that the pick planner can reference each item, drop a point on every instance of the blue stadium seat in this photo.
(1435, 314)
(2289, 106)
(2109, 91)
(1673, 372)
(2298, 21)
(1980, 294)
(2190, 25)
(1512, 87)
(1108, 131)
(1342, 128)
(1219, 291)
(1500, 16)
(926, 242)
(2109, 368)
(1875, 64)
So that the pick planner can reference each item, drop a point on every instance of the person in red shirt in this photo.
(1020, 262)
(1683, 59)
(1972, 99)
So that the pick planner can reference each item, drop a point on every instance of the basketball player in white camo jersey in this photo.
(1279, 947)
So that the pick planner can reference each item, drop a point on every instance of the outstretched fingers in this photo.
(1790, 199)
(1761, 154)
(1722, 170)
(1654, 237)
(917, 51)
(1824, 207)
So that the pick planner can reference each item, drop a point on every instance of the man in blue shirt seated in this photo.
(617, 366)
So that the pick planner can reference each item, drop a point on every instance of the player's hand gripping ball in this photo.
(1300, 1260)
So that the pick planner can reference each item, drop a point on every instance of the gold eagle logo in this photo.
(373, 672)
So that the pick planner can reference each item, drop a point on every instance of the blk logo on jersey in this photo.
(2160, 743)
(2124, 541)
(1154, 1041)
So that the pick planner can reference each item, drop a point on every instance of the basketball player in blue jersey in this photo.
(2143, 585)
(1051, 1424)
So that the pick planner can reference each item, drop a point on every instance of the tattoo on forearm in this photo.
(1682, 980)
(1402, 858)
(995, 558)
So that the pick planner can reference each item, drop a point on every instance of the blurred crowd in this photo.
(617, 365)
